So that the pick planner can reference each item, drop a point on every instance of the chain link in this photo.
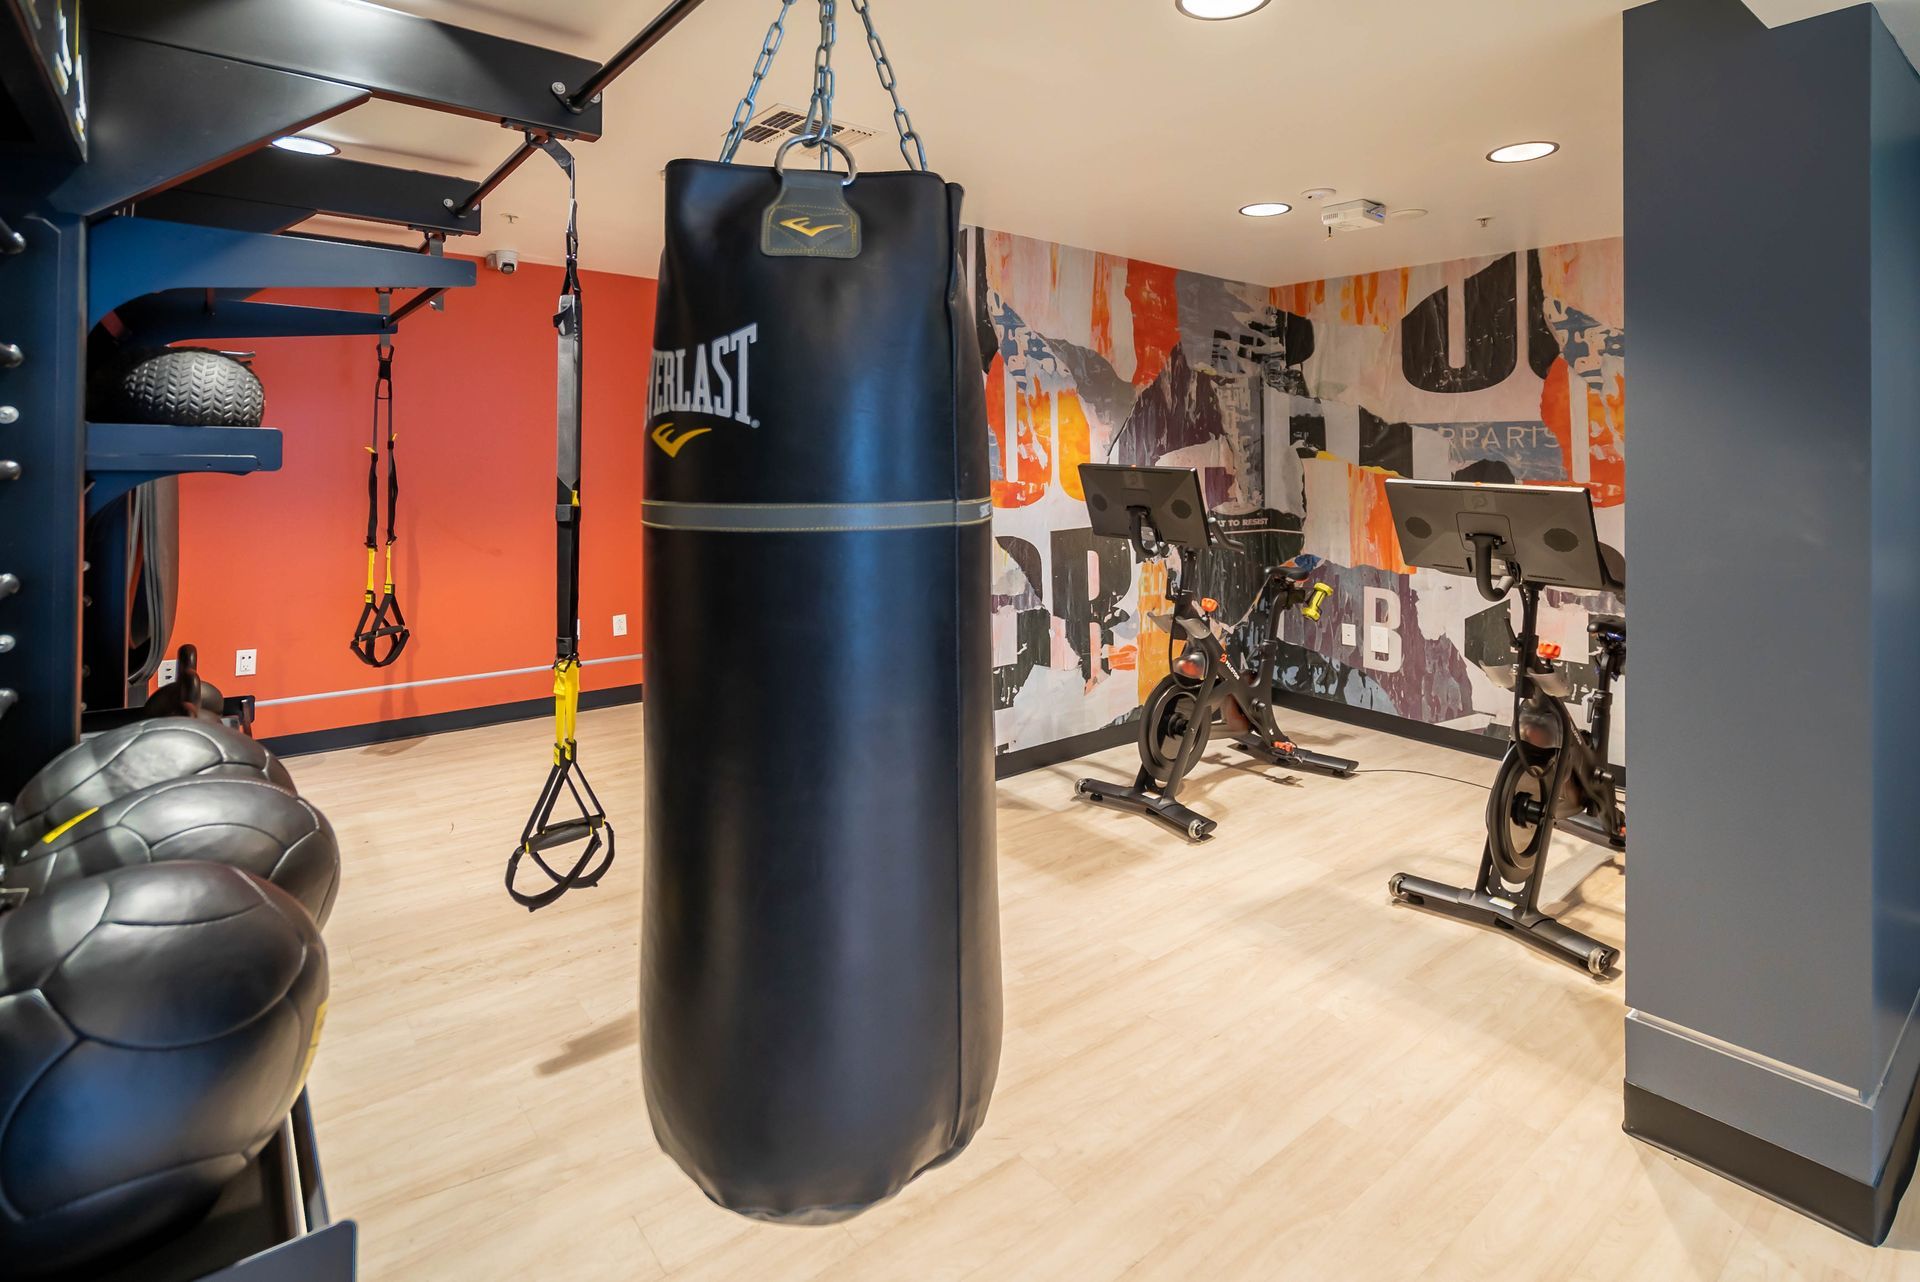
(743, 114)
(819, 122)
(819, 125)
(916, 158)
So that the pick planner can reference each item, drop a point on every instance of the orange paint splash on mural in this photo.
(1033, 443)
(999, 260)
(1102, 318)
(1374, 298)
(1556, 411)
(1021, 449)
(1374, 540)
(1072, 442)
(1152, 644)
(1154, 293)
(1606, 432)
(1606, 443)
(1299, 299)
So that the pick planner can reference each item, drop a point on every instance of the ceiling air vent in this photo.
(773, 127)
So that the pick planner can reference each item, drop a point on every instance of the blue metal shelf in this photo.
(121, 456)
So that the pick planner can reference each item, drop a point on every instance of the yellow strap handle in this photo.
(566, 707)
(1321, 591)
(389, 570)
(372, 581)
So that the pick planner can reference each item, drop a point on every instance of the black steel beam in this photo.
(132, 257)
(179, 205)
(161, 116)
(394, 55)
(585, 96)
(42, 305)
(160, 319)
(471, 205)
(348, 188)
(413, 305)
(581, 96)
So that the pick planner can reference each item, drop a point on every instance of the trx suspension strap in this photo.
(380, 618)
(542, 833)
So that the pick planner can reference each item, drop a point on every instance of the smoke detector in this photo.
(1353, 215)
(778, 124)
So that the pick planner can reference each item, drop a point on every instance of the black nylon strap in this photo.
(568, 320)
(542, 833)
(382, 624)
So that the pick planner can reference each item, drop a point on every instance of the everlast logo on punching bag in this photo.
(709, 381)
(811, 218)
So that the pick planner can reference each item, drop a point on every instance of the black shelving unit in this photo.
(138, 205)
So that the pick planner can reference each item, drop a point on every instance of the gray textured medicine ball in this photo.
(111, 765)
(158, 1022)
(247, 824)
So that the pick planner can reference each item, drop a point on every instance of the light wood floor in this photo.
(1227, 1061)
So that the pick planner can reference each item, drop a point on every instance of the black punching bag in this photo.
(820, 962)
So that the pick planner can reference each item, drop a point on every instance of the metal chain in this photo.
(901, 121)
(819, 121)
(743, 114)
(819, 124)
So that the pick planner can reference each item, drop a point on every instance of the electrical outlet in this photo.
(169, 668)
(619, 625)
(1349, 635)
(244, 662)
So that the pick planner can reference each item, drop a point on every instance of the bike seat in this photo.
(1291, 573)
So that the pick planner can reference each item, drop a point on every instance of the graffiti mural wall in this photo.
(1295, 404)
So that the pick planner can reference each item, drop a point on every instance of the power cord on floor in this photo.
(1401, 770)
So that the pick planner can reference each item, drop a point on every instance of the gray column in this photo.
(1773, 304)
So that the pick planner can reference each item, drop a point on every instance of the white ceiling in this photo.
(1902, 16)
(1117, 125)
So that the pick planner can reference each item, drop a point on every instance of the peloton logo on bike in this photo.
(709, 381)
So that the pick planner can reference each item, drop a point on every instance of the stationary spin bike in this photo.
(1160, 510)
(1554, 774)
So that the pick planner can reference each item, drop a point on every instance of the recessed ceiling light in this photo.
(1515, 152)
(1406, 213)
(1216, 10)
(1265, 209)
(306, 146)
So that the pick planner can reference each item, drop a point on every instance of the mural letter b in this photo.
(1380, 649)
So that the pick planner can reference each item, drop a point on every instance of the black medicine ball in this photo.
(111, 765)
(157, 1023)
(245, 823)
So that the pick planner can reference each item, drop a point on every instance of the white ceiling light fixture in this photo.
(305, 146)
(1218, 10)
(1515, 153)
(1265, 209)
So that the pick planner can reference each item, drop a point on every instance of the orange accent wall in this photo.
(276, 561)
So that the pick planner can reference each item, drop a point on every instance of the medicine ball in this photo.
(158, 1022)
(111, 765)
(244, 823)
(185, 385)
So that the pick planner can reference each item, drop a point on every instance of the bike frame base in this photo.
(1184, 819)
(1535, 929)
(1299, 759)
